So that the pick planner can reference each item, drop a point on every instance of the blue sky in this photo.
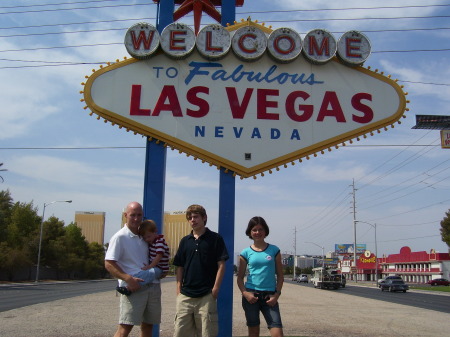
(54, 150)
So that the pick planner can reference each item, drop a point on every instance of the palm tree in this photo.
(1, 164)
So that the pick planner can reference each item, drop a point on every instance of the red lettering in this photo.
(209, 46)
(330, 100)
(168, 93)
(263, 104)
(359, 106)
(314, 47)
(350, 47)
(276, 43)
(241, 43)
(238, 109)
(135, 103)
(174, 41)
(203, 106)
(291, 110)
(142, 39)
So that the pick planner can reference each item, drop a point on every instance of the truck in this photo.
(323, 278)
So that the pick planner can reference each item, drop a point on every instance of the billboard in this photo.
(445, 139)
(347, 248)
(246, 97)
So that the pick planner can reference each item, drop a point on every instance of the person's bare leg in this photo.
(123, 330)
(146, 330)
(253, 331)
(276, 332)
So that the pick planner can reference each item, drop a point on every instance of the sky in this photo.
(398, 180)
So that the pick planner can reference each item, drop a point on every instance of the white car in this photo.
(383, 280)
(303, 278)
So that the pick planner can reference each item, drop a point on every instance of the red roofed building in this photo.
(413, 267)
(416, 267)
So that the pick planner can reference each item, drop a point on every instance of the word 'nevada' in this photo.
(267, 104)
(248, 43)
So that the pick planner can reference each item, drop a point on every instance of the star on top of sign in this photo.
(198, 7)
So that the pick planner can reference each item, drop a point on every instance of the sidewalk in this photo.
(305, 312)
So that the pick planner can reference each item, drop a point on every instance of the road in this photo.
(95, 314)
(21, 295)
(422, 299)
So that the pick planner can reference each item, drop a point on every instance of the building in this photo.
(413, 267)
(92, 226)
(176, 227)
(416, 267)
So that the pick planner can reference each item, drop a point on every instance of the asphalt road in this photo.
(420, 299)
(21, 295)
(305, 312)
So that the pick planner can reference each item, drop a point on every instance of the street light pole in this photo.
(323, 253)
(374, 226)
(40, 236)
(323, 259)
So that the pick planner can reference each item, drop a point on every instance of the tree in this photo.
(13, 260)
(95, 262)
(23, 225)
(445, 228)
(64, 248)
(53, 248)
(6, 203)
(2, 170)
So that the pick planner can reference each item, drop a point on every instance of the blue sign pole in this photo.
(226, 229)
(228, 12)
(227, 197)
(156, 153)
(154, 188)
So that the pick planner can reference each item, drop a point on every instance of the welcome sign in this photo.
(249, 101)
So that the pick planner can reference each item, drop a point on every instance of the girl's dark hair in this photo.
(256, 220)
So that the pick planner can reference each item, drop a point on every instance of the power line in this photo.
(57, 4)
(134, 147)
(414, 210)
(344, 9)
(74, 8)
(76, 23)
(125, 28)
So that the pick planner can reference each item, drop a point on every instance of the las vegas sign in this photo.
(246, 97)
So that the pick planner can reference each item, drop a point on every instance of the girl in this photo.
(264, 280)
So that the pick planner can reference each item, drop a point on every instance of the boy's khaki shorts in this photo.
(142, 306)
(196, 316)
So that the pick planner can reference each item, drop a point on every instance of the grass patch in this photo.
(432, 288)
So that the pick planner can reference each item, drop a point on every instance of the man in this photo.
(127, 254)
(200, 262)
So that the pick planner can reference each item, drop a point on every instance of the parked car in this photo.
(394, 285)
(439, 282)
(383, 280)
(303, 278)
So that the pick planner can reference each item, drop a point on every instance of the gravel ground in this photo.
(305, 312)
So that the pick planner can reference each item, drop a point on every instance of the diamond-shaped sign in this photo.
(248, 117)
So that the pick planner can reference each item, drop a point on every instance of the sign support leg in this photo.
(154, 189)
(226, 229)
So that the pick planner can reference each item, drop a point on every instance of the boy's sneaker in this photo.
(123, 291)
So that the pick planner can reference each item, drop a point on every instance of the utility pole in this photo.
(295, 249)
(354, 230)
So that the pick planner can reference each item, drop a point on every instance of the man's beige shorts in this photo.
(142, 306)
(196, 317)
